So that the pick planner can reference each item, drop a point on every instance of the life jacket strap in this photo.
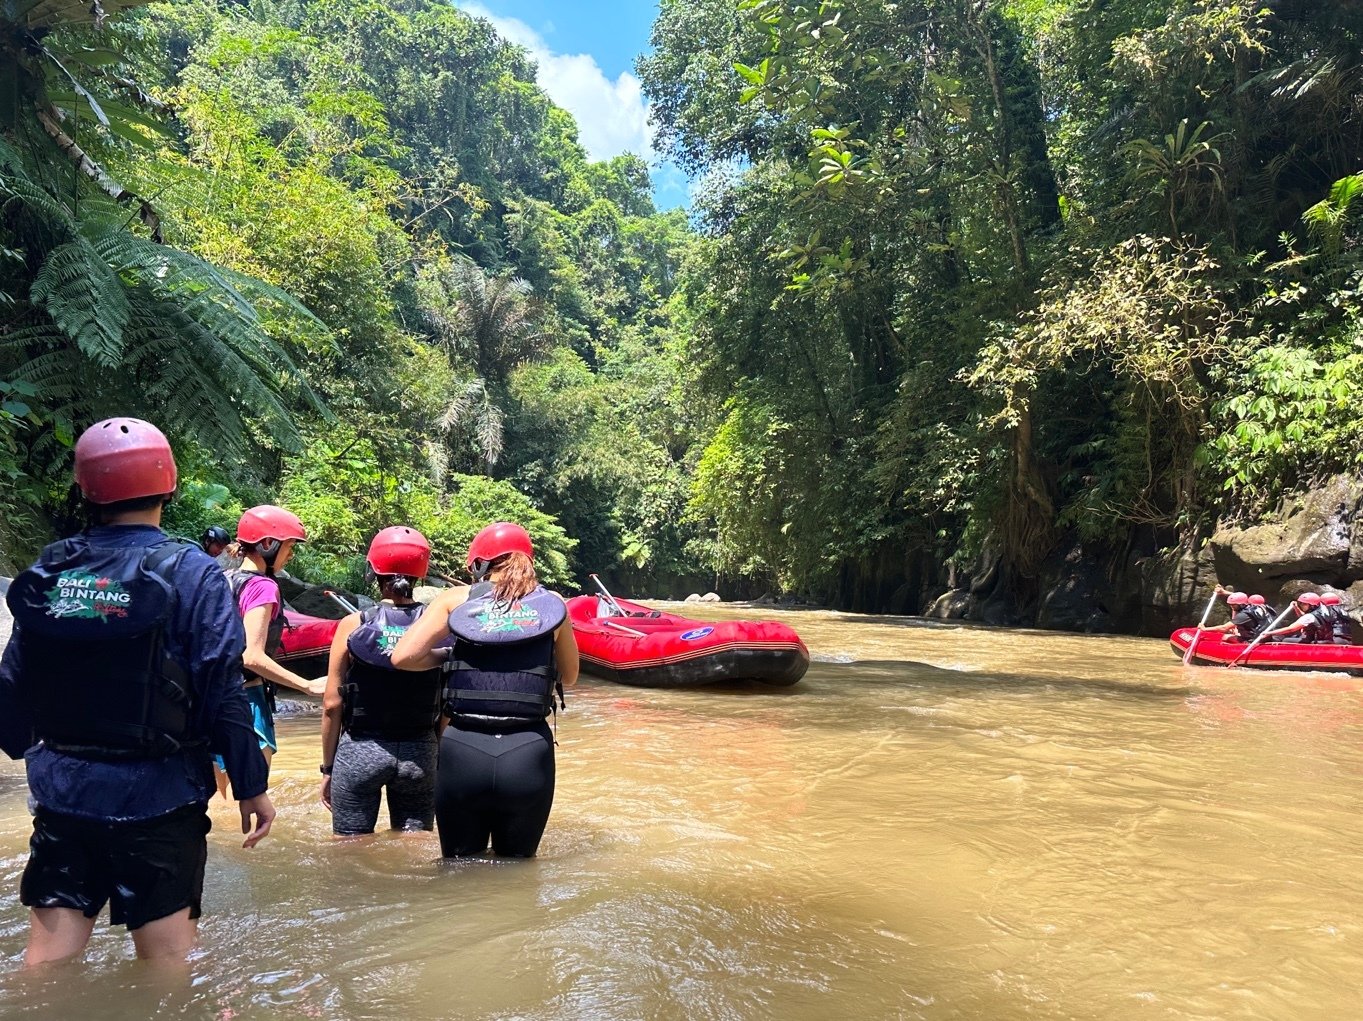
(462, 694)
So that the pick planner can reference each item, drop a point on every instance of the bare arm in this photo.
(337, 668)
(256, 660)
(1296, 625)
(414, 650)
(565, 654)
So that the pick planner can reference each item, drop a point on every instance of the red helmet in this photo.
(499, 539)
(123, 458)
(269, 522)
(1257, 600)
(1329, 599)
(400, 550)
(1237, 599)
(1308, 599)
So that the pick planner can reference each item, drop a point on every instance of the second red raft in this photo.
(652, 649)
(1218, 649)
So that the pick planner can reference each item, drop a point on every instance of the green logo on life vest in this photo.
(500, 618)
(82, 594)
(388, 637)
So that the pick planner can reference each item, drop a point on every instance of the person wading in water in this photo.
(512, 646)
(379, 724)
(125, 666)
(265, 540)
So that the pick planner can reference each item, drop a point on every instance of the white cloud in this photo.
(612, 116)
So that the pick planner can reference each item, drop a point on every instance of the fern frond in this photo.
(204, 377)
(84, 298)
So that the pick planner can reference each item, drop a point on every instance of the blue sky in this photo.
(586, 51)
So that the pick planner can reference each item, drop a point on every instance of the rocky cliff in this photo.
(1312, 541)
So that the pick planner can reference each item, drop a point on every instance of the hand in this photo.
(326, 792)
(263, 809)
(318, 686)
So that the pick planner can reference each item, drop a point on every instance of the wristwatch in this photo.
(326, 770)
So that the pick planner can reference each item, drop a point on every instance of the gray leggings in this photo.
(363, 768)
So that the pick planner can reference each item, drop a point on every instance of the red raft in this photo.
(652, 649)
(306, 644)
(1215, 649)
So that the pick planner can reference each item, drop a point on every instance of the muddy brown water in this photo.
(937, 822)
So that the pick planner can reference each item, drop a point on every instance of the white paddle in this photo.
(1188, 655)
(1262, 635)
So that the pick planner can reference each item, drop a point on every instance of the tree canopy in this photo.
(961, 276)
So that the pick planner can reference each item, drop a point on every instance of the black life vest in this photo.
(96, 672)
(1247, 623)
(1316, 630)
(1260, 617)
(379, 701)
(274, 637)
(503, 658)
(1336, 625)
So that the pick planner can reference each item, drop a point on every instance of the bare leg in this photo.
(221, 777)
(167, 939)
(55, 934)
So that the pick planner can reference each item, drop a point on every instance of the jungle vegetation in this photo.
(964, 280)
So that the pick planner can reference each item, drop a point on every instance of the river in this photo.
(937, 822)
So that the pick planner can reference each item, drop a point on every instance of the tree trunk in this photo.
(47, 116)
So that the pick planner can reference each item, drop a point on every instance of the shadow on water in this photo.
(914, 674)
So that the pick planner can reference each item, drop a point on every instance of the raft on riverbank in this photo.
(1217, 649)
(652, 649)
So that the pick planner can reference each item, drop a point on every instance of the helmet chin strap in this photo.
(480, 569)
(269, 552)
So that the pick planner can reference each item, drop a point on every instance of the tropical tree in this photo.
(102, 317)
(488, 326)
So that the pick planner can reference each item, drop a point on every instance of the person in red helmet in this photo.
(1244, 622)
(379, 724)
(265, 541)
(1307, 629)
(1264, 614)
(121, 677)
(1335, 621)
(512, 647)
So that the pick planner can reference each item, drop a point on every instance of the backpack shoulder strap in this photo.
(164, 557)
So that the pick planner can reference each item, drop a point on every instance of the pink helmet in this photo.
(269, 522)
(400, 550)
(498, 539)
(1308, 599)
(123, 458)
(1329, 599)
(1237, 599)
(1257, 600)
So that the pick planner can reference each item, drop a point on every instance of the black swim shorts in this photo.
(145, 870)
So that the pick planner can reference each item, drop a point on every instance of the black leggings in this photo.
(494, 784)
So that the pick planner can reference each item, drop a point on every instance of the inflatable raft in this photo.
(306, 645)
(652, 649)
(1217, 649)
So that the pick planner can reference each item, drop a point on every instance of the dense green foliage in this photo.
(399, 289)
(967, 275)
(997, 272)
